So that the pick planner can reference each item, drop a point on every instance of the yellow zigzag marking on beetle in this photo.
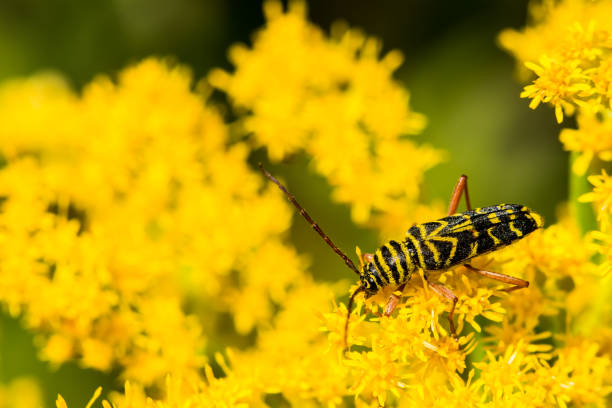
(494, 218)
(536, 218)
(435, 232)
(517, 231)
(474, 250)
(396, 261)
(464, 225)
(453, 240)
(433, 237)
(417, 248)
(496, 241)
(427, 241)
(434, 250)
(408, 273)
(386, 270)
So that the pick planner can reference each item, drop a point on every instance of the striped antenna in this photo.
(314, 225)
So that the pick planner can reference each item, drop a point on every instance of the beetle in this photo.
(434, 246)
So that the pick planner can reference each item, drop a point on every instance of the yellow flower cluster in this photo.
(121, 205)
(601, 197)
(569, 48)
(136, 208)
(409, 360)
(303, 92)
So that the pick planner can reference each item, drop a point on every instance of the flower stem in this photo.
(586, 219)
(578, 185)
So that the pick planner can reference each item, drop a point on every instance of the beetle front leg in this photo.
(394, 300)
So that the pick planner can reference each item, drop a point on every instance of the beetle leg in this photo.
(446, 293)
(517, 282)
(461, 187)
(367, 258)
(394, 300)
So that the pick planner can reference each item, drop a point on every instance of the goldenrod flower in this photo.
(572, 41)
(130, 231)
(602, 197)
(591, 139)
(306, 92)
(568, 48)
(557, 84)
(123, 211)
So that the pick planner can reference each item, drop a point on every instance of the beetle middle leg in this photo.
(446, 293)
(460, 188)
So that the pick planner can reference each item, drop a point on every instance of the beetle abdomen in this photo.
(459, 237)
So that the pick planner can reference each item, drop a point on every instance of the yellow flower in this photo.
(572, 41)
(602, 81)
(558, 84)
(123, 212)
(505, 377)
(568, 48)
(352, 105)
(601, 196)
(591, 139)
(578, 375)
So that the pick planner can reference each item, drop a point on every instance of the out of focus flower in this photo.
(121, 204)
(301, 91)
(22, 392)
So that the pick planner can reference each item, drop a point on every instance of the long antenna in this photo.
(314, 225)
(348, 314)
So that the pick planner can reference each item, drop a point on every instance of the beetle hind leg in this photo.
(516, 282)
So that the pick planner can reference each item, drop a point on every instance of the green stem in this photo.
(578, 185)
(585, 217)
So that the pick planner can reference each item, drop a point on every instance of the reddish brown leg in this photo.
(446, 293)
(461, 187)
(394, 300)
(518, 283)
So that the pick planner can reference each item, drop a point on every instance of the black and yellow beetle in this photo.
(437, 245)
